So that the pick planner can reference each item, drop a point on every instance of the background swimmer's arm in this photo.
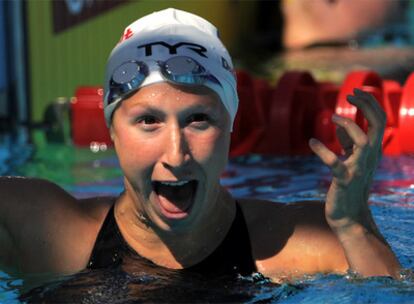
(346, 208)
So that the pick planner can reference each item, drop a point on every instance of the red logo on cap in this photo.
(128, 34)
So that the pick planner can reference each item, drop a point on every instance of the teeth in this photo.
(176, 184)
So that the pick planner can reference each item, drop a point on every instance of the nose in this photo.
(176, 152)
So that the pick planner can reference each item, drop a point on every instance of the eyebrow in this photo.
(146, 105)
(146, 108)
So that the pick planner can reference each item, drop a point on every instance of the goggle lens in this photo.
(182, 70)
(126, 78)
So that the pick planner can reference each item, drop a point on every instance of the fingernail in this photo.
(336, 117)
(313, 141)
(351, 98)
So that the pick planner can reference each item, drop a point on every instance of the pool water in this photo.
(282, 179)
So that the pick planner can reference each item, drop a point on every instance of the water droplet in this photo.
(94, 146)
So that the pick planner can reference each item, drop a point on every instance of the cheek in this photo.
(135, 153)
(211, 151)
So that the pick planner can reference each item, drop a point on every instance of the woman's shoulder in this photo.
(289, 238)
(282, 220)
(295, 212)
(269, 221)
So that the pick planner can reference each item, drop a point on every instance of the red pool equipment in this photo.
(391, 102)
(323, 127)
(406, 116)
(87, 117)
(300, 107)
(292, 113)
(249, 124)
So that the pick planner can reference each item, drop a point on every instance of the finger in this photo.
(354, 132)
(328, 158)
(373, 113)
(371, 101)
(376, 124)
(356, 135)
(345, 140)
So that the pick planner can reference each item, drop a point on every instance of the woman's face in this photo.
(172, 143)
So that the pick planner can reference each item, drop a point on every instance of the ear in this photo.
(112, 133)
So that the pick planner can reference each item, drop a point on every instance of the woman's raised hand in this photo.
(347, 198)
(346, 207)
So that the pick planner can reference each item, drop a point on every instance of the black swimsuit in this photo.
(232, 256)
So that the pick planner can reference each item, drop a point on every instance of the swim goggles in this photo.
(130, 75)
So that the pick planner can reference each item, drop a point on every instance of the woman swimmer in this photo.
(170, 102)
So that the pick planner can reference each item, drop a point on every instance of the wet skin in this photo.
(172, 134)
(165, 134)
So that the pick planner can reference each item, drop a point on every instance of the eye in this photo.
(200, 121)
(198, 117)
(147, 120)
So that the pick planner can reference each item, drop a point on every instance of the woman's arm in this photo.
(21, 199)
(346, 208)
(37, 220)
(8, 202)
(7, 250)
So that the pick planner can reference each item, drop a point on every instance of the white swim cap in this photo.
(166, 34)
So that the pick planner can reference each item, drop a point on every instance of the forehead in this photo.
(163, 93)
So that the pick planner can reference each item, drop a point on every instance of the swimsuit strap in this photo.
(109, 244)
(233, 255)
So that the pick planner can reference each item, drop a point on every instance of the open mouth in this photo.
(175, 197)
